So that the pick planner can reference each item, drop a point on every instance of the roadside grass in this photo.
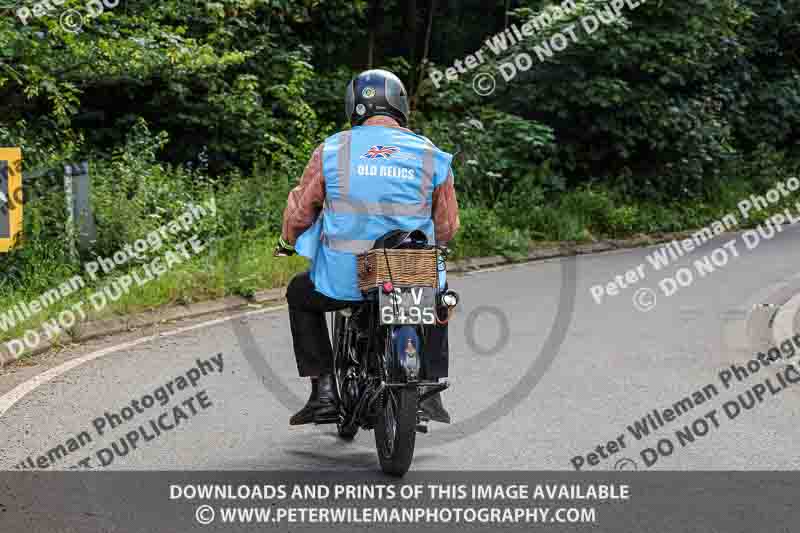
(223, 270)
(595, 213)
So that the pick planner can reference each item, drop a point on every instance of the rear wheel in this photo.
(396, 430)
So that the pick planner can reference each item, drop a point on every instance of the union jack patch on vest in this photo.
(384, 152)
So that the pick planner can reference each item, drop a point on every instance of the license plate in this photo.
(408, 305)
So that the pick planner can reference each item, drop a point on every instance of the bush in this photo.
(482, 233)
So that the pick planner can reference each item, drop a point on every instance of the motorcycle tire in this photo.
(396, 430)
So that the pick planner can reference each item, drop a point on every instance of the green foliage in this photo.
(653, 103)
(482, 233)
(637, 102)
(498, 155)
(764, 88)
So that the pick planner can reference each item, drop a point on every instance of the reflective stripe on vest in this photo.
(343, 163)
(350, 246)
(427, 173)
(356, 207)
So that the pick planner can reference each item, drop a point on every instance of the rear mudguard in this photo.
(407, 347)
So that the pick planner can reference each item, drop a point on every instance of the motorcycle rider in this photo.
(360, 184)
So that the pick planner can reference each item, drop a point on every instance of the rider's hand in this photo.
(284, 249)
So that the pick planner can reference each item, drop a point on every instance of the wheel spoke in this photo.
(390, 422)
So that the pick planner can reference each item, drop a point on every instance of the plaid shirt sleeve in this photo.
(305, 201)
(445, 211)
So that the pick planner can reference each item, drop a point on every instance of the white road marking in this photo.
(8, 400)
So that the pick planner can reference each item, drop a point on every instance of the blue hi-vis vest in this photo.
(377, 179)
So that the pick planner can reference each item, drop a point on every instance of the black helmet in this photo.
(376, 92)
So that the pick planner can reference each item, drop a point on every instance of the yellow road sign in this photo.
(10, 197)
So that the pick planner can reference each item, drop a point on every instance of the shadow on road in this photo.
(322, 451)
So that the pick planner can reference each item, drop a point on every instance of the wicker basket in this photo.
(418, 268)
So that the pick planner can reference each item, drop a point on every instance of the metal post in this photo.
(70, 229)
(77, 184)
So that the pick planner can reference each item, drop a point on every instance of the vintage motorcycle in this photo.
(379, 345)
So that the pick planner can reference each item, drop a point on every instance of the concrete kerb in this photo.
(103, 328)
(113, 326)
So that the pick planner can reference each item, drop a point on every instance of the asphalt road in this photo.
(540, 374)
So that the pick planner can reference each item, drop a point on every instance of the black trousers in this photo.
(312, 345)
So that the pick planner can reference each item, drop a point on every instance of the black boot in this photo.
(433, 408)
(306, 414)
(321, 404)
(325, 408)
